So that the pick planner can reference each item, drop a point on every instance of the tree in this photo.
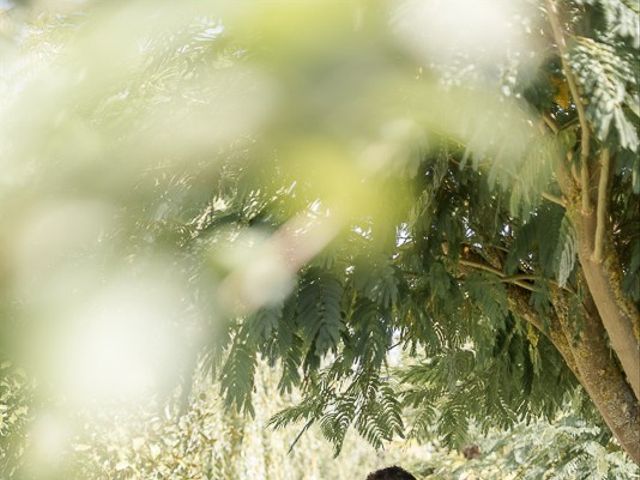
(508, 305)
(487, 225)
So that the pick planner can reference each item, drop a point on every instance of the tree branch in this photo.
(517, 280)
(523, 276)
(503, 278)
(599, 372)
(574, 173)
(556, 27)
(603, 204)
(550, 123)
(554, 199)
(519, 304)
(481, 266)
(592, 364)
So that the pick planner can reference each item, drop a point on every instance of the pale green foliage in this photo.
(209, 441)
(621, 18)
(608, 81)
(16, 390)
(567, 449)
(566, 251)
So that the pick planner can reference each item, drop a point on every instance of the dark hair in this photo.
(391, 473)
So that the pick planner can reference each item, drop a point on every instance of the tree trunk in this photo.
(613, 387)
(590, 359)
(616, 313)
(601, 376)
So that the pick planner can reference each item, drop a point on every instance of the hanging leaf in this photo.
(566, 251)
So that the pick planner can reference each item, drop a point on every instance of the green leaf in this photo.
(566, 251)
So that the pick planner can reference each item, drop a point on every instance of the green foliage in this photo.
(608, 80)
(237, 376)
(319, 314)
(376, 280)
(215, 138)
(452, 389)
(620, 18)
(481, 357)
(568, 448)
(566, 252)
(367, 402)
(207, 441)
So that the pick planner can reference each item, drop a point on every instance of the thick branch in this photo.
(556, 27)
(600, 374)
(615, 311)
(584, 171)
(603, 197)
(589, 357)
(519, 304)
(590, 361)
(617, 314)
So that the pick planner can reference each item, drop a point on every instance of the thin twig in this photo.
(605, 162)
(515, 279)
(568, 124)
(554, 199)
(304, 429)
(523, 276)
(574, 172)
(498, 273)
(556, 27)
(482, 266)
(550, 123)
(521, 284)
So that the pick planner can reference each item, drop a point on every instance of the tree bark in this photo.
(601, 376)
(519, 305)
(602, 278)
(614, 310)
(613, 387)
(590, 359)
